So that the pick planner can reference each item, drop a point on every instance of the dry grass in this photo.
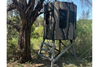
(67, 60)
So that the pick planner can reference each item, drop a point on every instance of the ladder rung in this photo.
(55, 49)
(46, 50)
(46, 44)
(45, 57)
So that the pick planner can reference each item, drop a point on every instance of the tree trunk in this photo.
(24, 43)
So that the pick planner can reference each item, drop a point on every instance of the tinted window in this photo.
(47, 18)
(72, 17)
(63, 18)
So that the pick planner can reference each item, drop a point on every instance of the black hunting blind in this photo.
(59, 24)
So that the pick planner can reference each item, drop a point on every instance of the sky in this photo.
(80, 9)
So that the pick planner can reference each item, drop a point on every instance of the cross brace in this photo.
(52, 59)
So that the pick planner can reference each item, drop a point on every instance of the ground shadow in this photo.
(42, 62)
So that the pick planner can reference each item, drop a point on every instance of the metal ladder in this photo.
(39, 53)
(52, 59)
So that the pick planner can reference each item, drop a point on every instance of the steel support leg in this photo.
(59, 46)
(62, 53)
(73, 49)
(74, 52)
(52, 55)
(39, 52)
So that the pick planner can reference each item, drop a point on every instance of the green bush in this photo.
(32, 30)
(35, 43)
(12, 46)
(12, 43)
(83, 41)
(38, 32)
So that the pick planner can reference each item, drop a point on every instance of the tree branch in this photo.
(39, 5)
(23, 3)
(30, 7)
(19, 7)
(86, 3)
(32, 4)
(39, 14)
(15, 2)
(10, 22)
(29, 2)
(37, 8)
(11, 7)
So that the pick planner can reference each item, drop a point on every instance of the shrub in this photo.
(38, 32)
(12, 46)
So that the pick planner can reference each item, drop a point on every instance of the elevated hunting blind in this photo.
(60, 21)
(59, 24)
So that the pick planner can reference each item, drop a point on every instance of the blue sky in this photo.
(80, 9)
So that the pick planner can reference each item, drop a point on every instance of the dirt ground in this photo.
(66, 60)
(41, 62)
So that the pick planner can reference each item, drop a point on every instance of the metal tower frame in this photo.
(54, 59)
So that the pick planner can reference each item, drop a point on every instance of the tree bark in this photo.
(28, 14)
(24, 43)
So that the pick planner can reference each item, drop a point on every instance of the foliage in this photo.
(38, 32)
(12, 49)
(83, 41)
(12, 43)
(32, 30)
(39, 21)
(36, 43)
(12, 39)
(36, 38)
